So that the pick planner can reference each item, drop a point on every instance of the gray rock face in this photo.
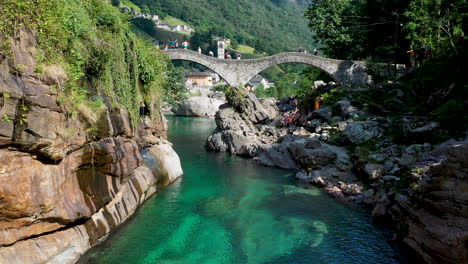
(374, 171)
(234, 142)
(269, 104)
(198, 106)
(228, 119)
(361, 131)
(253, 110)
(62, 190)
(349, 111)
(276, 155)
(324, 113)
(437, 229)
(237, 124)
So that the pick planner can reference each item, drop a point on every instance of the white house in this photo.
(163, 25)
(258, 79)
(181, 28)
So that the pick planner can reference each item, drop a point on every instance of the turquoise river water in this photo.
(228, 210)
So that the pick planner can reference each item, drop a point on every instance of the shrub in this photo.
(452, 116)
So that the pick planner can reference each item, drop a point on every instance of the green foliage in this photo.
(436, 82)
(235, 96)
(260, 91)
(18, 68)
(328, 20)
(5, 118)
(175, 90)
(220, 88)
(385, 30)
(294, 83)
(435, 24)
(101, 56)
(265, 25)
(333, 96)
(453, 116)
(115, 2)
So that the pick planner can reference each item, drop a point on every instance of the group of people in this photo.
(228, 56)
(292, 116)
(301, 49)
(174, 44)
(293, 119)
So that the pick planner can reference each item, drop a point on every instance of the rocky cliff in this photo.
(62, 190)
(419, 189)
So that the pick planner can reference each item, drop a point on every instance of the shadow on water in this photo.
(228, 210)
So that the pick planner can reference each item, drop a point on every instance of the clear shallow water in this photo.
(228, 210)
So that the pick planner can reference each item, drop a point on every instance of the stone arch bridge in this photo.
(239, 72)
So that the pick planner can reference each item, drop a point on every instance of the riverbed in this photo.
(228, 210)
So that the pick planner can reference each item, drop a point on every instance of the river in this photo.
(228, 210)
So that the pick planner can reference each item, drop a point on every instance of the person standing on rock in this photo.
(238, 55)
(185, 44)
(211, 53)
(199, 50)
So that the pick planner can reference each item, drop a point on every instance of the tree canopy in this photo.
(381, 30)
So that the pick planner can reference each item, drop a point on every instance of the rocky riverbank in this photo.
(63, 191)
(356, 152)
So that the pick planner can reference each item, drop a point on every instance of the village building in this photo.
(181, 28)
(199, 78)
(257, 80)
(163, 25)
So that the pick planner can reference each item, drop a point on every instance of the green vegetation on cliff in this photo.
(89, 45)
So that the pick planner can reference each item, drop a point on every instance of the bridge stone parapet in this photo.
(239, 72)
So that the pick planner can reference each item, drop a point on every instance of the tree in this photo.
(175, 90)
(145, 9)
(260, 91)
(329, 21)
(358, 29)
(435, 24)
(145, 24)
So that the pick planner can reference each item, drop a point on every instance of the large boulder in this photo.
(361, 131)
(228, 119)
(325, 113)
(276, 155)
(234, 142)
(347, 110)
(198, 106)
(269, 104)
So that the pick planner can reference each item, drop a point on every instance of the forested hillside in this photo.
(266, 25)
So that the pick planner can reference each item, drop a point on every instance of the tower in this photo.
(221, 47)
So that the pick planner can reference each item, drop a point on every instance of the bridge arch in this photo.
(239, 72)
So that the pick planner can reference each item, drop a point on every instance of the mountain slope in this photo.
(267, 25)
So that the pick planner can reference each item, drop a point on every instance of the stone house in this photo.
(199, 78)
